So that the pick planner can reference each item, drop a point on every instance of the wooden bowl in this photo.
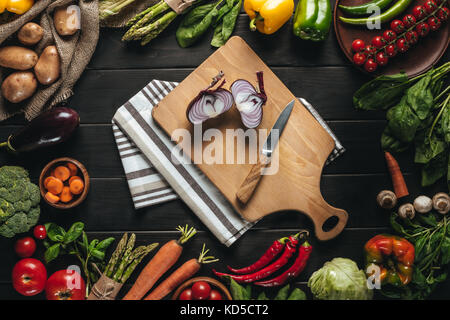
(78, 198)
(212, 282)
(418, 59)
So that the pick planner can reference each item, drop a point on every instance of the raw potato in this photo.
(67, 20)
(18, 58)
(30, 34)
(48, 67)
(19, 86)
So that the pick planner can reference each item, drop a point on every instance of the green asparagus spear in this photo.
(159, 27)
(109, 8)
(129, 270)
(117, 254)
(159, 9)
(124, 262)
(140, 15)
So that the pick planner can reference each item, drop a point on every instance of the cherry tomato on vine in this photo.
(430, 6)
(443, 13)
(186, 295)
(25, 247)
(369, 50)
(397, 26)
(201, 290)
(359, 58)
(423, 29)
(378, 42)
(409, 20)
(391, 50)
(434, 23)
(215, 295)
(381, 58)
(370, 65)
(412, 37)
(389, 35)
(39, 232)
(419, 12)
(402, 45)
(358, 45)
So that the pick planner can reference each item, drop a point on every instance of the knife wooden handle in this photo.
(251, 181)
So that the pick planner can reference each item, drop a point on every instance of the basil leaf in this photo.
(97, 254)
(297, 294)
(55, 232)
(104, 244)
(283, 293)
(74, 232)
(51, 253)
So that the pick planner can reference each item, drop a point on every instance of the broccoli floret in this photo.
(19, 201)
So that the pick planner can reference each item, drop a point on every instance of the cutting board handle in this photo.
(327, 212)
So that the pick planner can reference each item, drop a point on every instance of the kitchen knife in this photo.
(251, 181)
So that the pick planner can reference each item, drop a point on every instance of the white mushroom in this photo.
(441, 203)
(423, 204)
(406, 211)
(387, 199)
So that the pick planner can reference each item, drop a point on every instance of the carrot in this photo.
(47, 180)
(400, 188)
(62, 173)
(74, 178)
(51, 197)
(66, 195)
(186, 271)
(162, 261)
(55, 186)
(73, 168)
(76, 186)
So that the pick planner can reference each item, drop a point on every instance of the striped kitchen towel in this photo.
(155, 175)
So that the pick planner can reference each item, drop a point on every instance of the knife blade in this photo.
(251, 181)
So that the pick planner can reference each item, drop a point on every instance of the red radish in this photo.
(25, 247)
(39, 232)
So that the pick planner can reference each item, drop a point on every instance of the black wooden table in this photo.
(318, 72)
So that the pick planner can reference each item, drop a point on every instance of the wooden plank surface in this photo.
(318, 72)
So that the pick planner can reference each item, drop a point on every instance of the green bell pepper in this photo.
(312, 19)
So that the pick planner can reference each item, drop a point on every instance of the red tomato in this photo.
(423, 29)
(215, 295)
(419, 12)
(358, 45)
(412, 37)
(389, 35)
(185, 295)
(29, 276)
(429, 6)
(381, 58)
(25, 247)
(402, 45)
(391, 50)
(359, 58)
(65, 285)
(434, 23)
(201, 290)
(397, 26)
(370, 65)
(369, 50)
(378, 42)
(39, 232)
(443, 14)
(409, 20)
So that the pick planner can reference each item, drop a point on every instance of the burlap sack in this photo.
(120, 19)
(105, 289)
(75, 53)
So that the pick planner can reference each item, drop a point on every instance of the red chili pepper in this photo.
(289, 250)
(293, 271)
(267, 257)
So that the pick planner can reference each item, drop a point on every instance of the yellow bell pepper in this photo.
(16, 6)
(267, 16)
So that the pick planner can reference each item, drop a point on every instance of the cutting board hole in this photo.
(330, 223)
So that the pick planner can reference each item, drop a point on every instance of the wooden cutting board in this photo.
(302, 150)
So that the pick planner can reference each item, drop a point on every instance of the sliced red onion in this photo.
(210, 103)
(248, 101)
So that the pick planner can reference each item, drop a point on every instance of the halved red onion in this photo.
(210, 103)
(248, 101)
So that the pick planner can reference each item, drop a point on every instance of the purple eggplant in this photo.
(50, 128)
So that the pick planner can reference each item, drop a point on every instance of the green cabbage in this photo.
(340, 279)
